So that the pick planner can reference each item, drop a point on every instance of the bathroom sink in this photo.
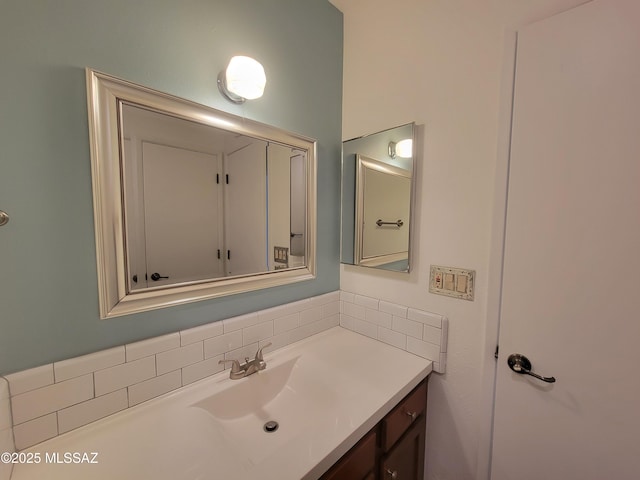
(325, 392)
(261, 413)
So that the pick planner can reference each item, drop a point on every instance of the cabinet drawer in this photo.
(357, 463)
(407, 412)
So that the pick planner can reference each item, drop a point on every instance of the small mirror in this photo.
(377, 179)
(193, 203)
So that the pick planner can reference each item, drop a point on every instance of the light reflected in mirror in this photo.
(377, 200)
(193, 203)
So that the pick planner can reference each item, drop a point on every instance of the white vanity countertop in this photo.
(326, 392)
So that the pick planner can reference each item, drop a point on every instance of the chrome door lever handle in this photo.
(521, 364)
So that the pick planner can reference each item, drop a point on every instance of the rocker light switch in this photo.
(452, 282)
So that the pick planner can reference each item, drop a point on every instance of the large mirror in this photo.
(377, 190)
(192, 203)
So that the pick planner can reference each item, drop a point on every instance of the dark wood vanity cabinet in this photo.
(394, 449)
(358, 463)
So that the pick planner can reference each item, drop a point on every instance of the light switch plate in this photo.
(281, 254)
(452, 282)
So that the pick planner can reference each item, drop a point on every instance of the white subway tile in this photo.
(39, 402)
(5, 414)
(298, 305)
(425, 317)
(311, 315)
(141, 392)
(222, 344)
(288, 322)
(200, 370)
(330, 322)
(202, 332)
(6, 445)
(408, 327)
(179, 357)
(347, 297)
(442, 364)
(378, 317)
(31, 379)
(353, 310)
(359, 326)
(152, 346)
(4, 388)
(5, 407)
(35, 431)
(280, 311)
(257, 332)
(92, 410)
(77, 366)
(240, 322)
(317, 327)
(248, 351)
(432, 334)
(368, 302)
(393, 308)
(445, 334)
(280, 340)
(329, 309)
(120, 376)
(423, 349)
(396, 339)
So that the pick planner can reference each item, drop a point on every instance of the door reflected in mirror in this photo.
(377, 191)
(203, 203)
(193, 203)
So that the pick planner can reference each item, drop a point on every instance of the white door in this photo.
(571, 286)
(245, 195)
(182, 214)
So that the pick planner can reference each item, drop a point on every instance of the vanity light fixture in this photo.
(402, 149)
(243, 79)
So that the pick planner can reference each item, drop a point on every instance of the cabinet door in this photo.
(358, 463)
(406, 460)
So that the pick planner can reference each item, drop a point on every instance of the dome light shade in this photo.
(244, 79)
(404, 148)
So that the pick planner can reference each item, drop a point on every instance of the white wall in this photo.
(440, 63)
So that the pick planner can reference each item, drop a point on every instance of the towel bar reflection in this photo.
(398, 223)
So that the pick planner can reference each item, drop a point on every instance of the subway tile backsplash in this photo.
(46, 401)
(52, 399)
(417, 331)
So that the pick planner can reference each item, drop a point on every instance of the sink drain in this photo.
(270, 426)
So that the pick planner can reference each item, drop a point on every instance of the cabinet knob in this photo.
(392, 473)
(413, 415)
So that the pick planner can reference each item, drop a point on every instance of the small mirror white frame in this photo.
(105, 93)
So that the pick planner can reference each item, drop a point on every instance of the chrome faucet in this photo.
(249, 367)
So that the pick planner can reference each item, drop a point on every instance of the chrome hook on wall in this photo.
(4, 218)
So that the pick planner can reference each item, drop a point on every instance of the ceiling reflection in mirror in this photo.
(377, 191)
(193, 203)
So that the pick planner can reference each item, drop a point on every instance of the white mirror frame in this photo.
(104, 93)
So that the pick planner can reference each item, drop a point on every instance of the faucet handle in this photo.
(259, 357)
(235, 367)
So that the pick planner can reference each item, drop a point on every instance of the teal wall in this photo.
(48, 286)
